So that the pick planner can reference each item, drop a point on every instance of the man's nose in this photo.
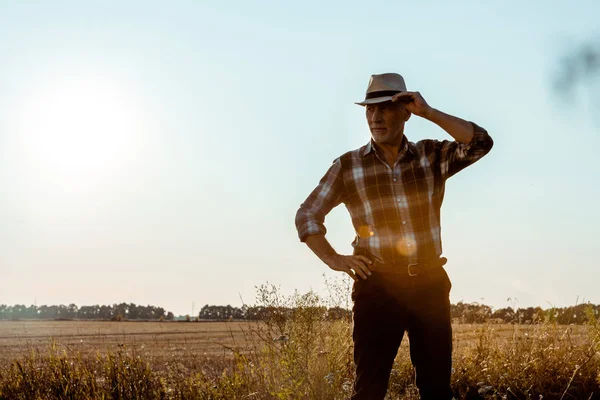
(376, 116)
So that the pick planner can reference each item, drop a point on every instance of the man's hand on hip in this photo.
(354, 266)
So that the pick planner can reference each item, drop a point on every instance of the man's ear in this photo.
(407, 117)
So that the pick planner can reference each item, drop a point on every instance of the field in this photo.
(161, 341)
(299, 357)
(157, 342)
(185, 341)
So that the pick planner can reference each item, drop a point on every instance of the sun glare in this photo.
(80, 132)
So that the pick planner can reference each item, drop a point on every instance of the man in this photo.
(393, 189)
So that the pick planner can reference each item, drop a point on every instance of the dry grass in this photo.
(286, 356)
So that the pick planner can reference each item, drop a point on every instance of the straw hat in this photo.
(382, 87)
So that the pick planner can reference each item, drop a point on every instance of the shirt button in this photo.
(394, 179)
(403, 222)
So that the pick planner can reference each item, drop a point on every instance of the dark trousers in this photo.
(385, 306)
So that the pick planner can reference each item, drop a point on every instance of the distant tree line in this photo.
(96, 312)
(255, 313)
(479, 313)
(461, 313)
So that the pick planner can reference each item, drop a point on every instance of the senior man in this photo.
(393, 189)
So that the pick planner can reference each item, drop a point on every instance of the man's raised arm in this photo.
(471, 142)
(462, 131)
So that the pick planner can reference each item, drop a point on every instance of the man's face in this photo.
(386, 121)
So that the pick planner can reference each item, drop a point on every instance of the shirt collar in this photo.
(407, 147)
(368, 148)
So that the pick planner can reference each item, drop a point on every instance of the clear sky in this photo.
(157, 154)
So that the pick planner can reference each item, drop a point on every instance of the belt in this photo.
(413, 269)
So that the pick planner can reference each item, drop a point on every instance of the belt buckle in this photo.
(408, 269)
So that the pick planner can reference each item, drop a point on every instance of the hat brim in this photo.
(375, 100)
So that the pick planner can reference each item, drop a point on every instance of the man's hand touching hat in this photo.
(414, 103)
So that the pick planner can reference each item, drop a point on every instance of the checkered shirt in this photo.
(395, 211)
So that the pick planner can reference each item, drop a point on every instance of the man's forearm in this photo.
(321, 247)
(462, 131)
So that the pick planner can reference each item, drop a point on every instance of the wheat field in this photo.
(300, 357)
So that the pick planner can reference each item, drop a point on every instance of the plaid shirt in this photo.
(395, 211)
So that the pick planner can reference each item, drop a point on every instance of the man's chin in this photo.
(379, 132)
(379, 137)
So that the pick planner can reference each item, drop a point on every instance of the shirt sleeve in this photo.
(328, 194)
(455, 156)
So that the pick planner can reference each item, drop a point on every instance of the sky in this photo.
(157, 153)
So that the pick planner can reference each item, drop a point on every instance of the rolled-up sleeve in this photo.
(455, 156)
(328, 194)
